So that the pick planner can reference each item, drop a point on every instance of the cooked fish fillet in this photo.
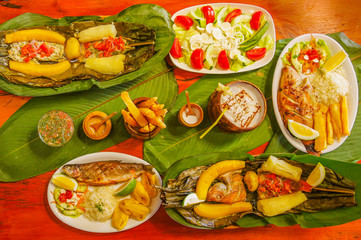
(105, 172)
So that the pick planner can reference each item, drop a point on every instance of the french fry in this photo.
(161, 112)
(329, 129)
(344, 116)
(336, 120)
(320, 126)
(147, 103)
(157, 121)
(156, 107)
(148, 113)
(147, 128)
(141, 120)
(129, 119)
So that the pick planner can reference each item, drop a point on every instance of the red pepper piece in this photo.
(208, 13)
(183, 21)
(256, 20)
(232, 15)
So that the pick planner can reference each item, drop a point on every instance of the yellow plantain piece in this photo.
(119, 218)
(140, 194)
(134, 111)
(336, 120)
(210, 174)
(34, 34)
(106, 65)
(148, 182)
(344, 116)
(221, 210)
(329, 128)
(129, 119)
(251, 180)
(72, 48)
(134, 208)
(319, 121)
(40, 70)
(148, 103)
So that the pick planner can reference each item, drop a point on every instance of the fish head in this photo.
(71, 170)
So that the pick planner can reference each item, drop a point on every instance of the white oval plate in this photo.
(245, 8)
(352, 98)
(83, 223)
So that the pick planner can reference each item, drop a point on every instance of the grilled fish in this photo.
(105, 172)
(296, 102)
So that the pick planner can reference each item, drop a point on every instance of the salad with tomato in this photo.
(224, 38)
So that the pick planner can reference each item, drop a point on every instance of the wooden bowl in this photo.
(190, 121)
(134, 132)
(234, 119)
(95, 117)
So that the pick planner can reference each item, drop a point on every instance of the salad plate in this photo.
(352, 96)
(102, 227)
(246, 9)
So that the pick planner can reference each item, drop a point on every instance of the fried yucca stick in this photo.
(336, 120)
(344, 116)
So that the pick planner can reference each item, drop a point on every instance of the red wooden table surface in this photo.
(24, 211)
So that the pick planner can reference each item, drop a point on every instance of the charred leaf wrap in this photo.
(135, 56)
(318, 200)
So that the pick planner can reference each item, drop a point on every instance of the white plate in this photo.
(352, 98)
(245, 8)
(102, 227)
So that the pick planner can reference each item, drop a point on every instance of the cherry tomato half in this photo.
(256, 20)
(176, 50)
(62, 197)
(183, 21)
(256, 53)
(197, 58)
(232, 15)
(223, 60)
(208, 13)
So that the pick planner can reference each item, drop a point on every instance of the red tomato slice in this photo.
(256, 53)
(176, 50)
(197, 59)
(232, 15)
(208, 13)
(183, 21)
(256, 20)
(223, 60)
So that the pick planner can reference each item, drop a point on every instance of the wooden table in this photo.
(24, 211)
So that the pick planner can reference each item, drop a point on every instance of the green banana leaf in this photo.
(150, 15)
(179, 142)
(349, 150)
(305, 220)
(23, 154)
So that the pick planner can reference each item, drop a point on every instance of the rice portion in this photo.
(100, 204)
(329, 87)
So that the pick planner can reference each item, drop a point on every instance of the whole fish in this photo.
(105, 172)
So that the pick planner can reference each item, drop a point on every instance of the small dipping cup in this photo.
(190, 120)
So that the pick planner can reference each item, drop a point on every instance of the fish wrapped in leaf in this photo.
(52, 56)
(335, 191)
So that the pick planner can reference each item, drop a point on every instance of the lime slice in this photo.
(64, 181)
(317, 175)
(334, 61)
(302, 131)
(126, 188)
(191, 199)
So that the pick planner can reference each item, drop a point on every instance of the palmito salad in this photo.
(223, 38)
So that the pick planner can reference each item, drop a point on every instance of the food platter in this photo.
(352, 97)
(245, 8)
(102, 227)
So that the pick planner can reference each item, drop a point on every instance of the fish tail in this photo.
(310, 148)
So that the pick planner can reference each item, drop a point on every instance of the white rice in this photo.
(329, 87)
(100, 204)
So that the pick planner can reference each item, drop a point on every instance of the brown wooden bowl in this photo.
(226, 124)
(134, 132)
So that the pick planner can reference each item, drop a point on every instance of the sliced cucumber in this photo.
(252, 42)
(198, 17)
(191, 199)
(221, 16)
(209, 63)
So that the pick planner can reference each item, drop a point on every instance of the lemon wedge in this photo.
(191, 199)
(64, 181)
(302, 131)
(317, 175)
(334, 61)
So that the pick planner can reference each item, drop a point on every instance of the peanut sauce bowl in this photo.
(245, 103)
